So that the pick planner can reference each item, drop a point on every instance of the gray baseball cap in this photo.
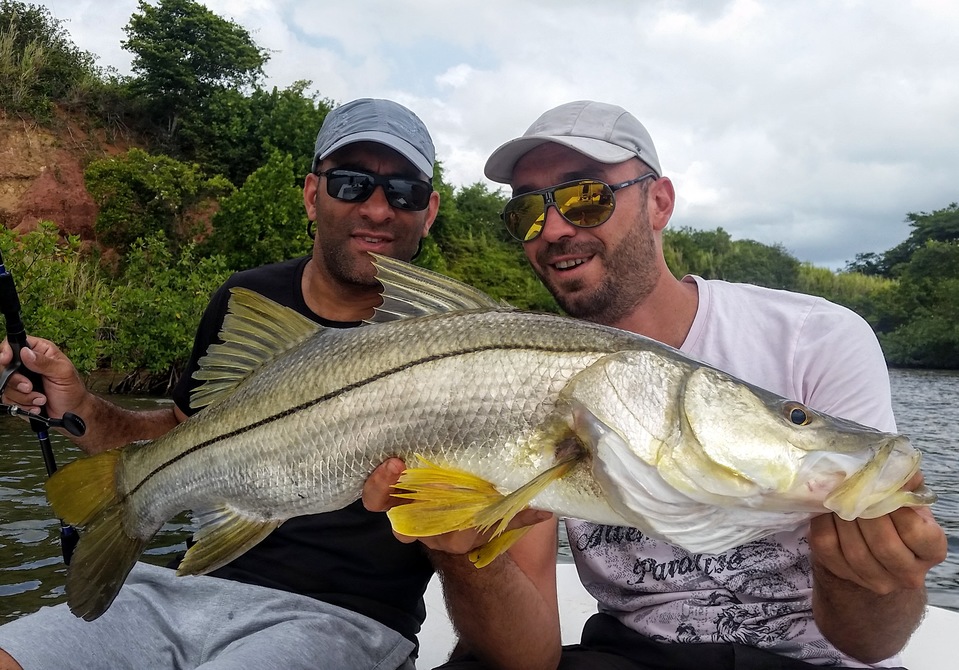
(381, 121)
(606, 133)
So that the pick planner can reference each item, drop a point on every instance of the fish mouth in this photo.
(876, 488)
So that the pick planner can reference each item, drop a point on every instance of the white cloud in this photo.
(814, 124)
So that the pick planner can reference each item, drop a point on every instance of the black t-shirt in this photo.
(348, 557)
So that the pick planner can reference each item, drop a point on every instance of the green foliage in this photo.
(863, 294)
(698, 252)
(941, 225)
(140, 195)
(234, 134)
(160, 299)
(923, 324)
(183, 54)
(39, 65)
(713, 254)
(756, 263)
(63, 297)
(264, 221)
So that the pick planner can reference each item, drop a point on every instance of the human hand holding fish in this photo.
(869, 576)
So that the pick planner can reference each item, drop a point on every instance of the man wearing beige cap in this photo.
(332, 590)
(831, 593)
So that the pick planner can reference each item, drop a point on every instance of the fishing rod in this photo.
(39, 423)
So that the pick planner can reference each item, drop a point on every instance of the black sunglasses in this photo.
(356, 186)
(585, 203)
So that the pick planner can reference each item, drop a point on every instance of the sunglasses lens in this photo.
(586, 204)
(349, 186)
(411, 194)
(524, 216)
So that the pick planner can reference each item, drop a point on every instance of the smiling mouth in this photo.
(568, 264)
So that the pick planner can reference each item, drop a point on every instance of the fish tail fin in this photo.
(445, 500)
(81, 490)
(101, 563)
(84, 493)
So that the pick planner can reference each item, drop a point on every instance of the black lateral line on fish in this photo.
(345, 389)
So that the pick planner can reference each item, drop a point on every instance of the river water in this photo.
(32, 572)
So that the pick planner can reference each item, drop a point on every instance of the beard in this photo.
(632, 272)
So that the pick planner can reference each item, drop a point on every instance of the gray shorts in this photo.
(160, 621)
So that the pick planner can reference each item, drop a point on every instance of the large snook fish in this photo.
(500, 409)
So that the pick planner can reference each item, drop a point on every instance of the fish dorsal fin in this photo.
(255, 331)
(410, 291)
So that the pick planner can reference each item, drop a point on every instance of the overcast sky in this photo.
(816, 124)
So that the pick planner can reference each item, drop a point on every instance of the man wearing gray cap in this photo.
(332, 590)
(589, 205)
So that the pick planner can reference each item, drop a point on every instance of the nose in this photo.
(376, 207)
(555, 226)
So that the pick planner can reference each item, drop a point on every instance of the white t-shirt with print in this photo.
(800, 347)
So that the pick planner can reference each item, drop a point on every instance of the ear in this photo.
(310, 184)
(662, 198)
(431, 211)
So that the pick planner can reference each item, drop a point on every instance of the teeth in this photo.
(372, 240)
(562, 265)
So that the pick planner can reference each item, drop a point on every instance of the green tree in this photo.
(699, 252)
(234, 134)
(39, 64)
(63, 296)
(140, 194)
(922, 328)
(182, 54)
(762, 264)
(264, 221)
(941, 225)
(159, 301)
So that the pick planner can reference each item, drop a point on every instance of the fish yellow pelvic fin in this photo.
(443, 500)
(102, 560)
(81, 490)
(500, 513)
(446, 499)
(224, 534)
(255, 331)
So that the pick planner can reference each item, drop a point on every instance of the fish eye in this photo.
(797, 414)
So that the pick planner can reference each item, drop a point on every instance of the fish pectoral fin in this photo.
(484, 555)
(501, 512)
(443, 500)
(224, 534)
(255, 331)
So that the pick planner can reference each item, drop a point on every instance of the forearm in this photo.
(110, 426)
(506, 613)
(861, 623)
